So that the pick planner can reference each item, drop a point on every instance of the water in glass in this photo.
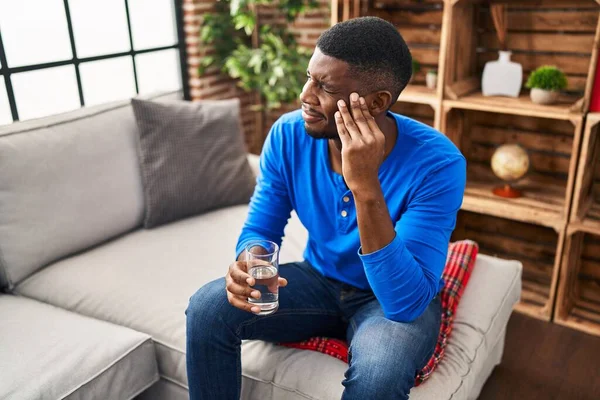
(267, 284)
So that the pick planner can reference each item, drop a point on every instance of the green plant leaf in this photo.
(276, 68)
(278, 71)
(206, 34)
(547, 77)
(234, 7)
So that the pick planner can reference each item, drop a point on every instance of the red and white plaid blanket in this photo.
(459, 265)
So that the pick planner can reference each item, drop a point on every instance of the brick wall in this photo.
(311, 24)
(306, 29)
(214, 85)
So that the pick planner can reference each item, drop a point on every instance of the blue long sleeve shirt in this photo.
(423, 180)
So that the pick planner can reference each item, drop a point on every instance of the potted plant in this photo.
(263, 57)
(431, 79)
(545, 83)
(416, 68)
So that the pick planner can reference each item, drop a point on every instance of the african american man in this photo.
(378, 193)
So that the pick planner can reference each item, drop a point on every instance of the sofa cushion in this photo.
(68, 182)
(145, 279)
(193, 158)
(283, 373)
(50, 353)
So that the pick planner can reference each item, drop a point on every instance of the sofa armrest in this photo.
(253, 160)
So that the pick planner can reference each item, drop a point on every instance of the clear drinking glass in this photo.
(262, 258)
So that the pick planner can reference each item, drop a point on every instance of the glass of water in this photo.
(262, 258)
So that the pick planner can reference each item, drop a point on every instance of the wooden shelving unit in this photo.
(419, 95)
(418, 111)
(567, 109)
(578, 302)
(537, 247)
(585, 214)
(562, 189)
(552, 146)
(539, 32)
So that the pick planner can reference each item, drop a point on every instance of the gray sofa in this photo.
(93, 305)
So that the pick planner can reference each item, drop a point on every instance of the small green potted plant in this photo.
(431, 79)
(416, 67)
(545, 83)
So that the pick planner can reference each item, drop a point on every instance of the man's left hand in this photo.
(363, 146)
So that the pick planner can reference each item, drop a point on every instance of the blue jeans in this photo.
(384, 355)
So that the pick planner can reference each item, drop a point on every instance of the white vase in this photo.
(502, 77)
(431, 80)
(542, 96)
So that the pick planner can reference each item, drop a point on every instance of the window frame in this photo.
(7, 71)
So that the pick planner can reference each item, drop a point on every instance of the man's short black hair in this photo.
(375, 51)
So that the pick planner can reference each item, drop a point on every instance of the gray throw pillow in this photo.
(193, 158)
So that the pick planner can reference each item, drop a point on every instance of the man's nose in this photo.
(307, 96)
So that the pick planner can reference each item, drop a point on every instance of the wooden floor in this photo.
(545, 361)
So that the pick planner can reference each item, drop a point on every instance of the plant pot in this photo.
(431, 80)
(542, 96)
(502, 77)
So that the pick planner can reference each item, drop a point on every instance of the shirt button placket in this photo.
(345, 212)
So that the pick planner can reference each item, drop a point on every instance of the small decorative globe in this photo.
(510, 162)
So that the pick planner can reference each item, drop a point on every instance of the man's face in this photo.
(328, 80)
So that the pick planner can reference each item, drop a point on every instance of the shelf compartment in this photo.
(537, 247)
(578, 300)
(420, 112)
(552, 146)
(586, 199)
(567, 108)
(420, 95)
(539, 33)
(423, 27)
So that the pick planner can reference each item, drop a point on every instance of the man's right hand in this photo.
(239, 287)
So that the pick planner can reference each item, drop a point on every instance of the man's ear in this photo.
(379, 102)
